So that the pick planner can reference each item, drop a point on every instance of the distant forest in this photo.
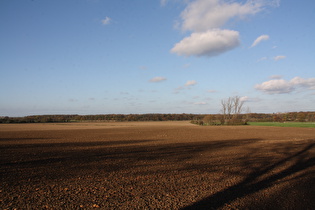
(251, 117)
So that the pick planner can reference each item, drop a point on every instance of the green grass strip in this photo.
(285, 124)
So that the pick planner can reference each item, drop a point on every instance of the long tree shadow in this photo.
(260, 179)
(71, 158)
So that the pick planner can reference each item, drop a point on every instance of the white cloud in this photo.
(307, 83)
(275, 86)
(190, 83)
(202, 15)
(106, 20)
(281, 86)
(204, 18)
(259, 39)
(209, 43)
(279, 57)
(157, 79)
(212, 91)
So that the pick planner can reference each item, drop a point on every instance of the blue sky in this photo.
(157, 56)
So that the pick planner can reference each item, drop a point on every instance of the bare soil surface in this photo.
(156, 165)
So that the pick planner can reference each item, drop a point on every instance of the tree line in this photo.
(211, 119)
(100, 118)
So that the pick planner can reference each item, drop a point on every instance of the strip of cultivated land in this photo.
(156, 165)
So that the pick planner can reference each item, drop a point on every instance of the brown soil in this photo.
(156, 165)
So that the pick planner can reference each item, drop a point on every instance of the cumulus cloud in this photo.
(157, 79)
(275, 86)
(259, 39)
(307, 83)
(202, 15)
(106, 20)
(190, 83)
(281, 86)
(279, 57)
(209, 43)
(204, 18)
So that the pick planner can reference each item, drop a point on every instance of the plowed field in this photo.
(156, 165)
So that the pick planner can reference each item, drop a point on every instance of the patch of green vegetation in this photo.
(285, 124)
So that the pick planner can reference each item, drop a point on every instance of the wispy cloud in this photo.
(260, 39)
(143, 67)
(73, 100)
(212, 91)
(275, 77)
(106, 21)
(249, 99)
(190, 83)
(163, 2)
(279, 57)
(244, 98)
(186, 65)
(200, 103)
(262, 59)
(281, 86)
(187, 85)
(157, 79)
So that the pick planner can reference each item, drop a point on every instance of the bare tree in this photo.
(223, 111)
(231, 109)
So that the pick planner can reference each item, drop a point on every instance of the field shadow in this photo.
(73, 158)
(289, 168)
(36, 154)
(9, 139)
(57, 161)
